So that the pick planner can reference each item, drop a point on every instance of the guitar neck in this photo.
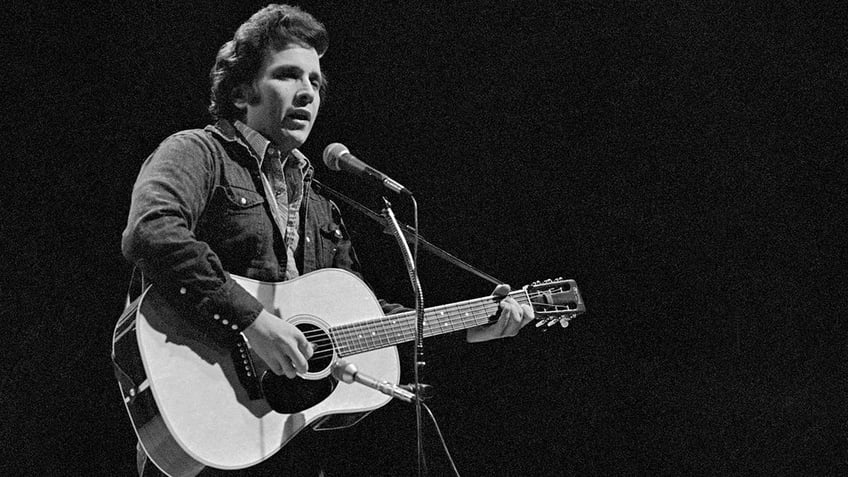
(391, 330)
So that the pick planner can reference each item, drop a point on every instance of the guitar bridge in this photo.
(245, 370)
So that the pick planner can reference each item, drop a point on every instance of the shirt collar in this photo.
(259, 144)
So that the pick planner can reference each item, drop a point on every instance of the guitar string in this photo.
(392, 323)
(369, 338)
(366, 337)
(398, 321)
(399, 328)
(385, 339)
(367, 330)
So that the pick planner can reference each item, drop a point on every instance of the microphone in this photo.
(347, 373)
(337, 157)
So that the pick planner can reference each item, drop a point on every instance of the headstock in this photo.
(555, 301)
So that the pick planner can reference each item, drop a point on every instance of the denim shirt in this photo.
(200, 212)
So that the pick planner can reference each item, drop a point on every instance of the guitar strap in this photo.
(136, 285)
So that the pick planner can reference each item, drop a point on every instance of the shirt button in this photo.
(226, 322)
(235, 327)
(183, 291)
(216, 316)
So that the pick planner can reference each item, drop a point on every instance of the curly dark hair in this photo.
(272, 28)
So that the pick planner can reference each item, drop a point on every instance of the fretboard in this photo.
(391, 330)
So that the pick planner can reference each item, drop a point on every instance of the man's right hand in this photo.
(280, 344)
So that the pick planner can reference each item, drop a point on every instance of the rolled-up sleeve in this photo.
(170, 194)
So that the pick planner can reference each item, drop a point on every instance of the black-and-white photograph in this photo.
(424, 239)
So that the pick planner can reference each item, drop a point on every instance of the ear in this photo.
(242, 95)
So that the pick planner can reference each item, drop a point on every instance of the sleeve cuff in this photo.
(228, 311)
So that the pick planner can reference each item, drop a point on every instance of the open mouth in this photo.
(299, 115)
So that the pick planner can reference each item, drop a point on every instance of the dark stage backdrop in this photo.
(684, 162)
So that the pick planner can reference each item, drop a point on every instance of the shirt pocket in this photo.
(330, 238)
(239, 226)
(240, 201)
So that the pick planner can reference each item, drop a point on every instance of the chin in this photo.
(291, 141)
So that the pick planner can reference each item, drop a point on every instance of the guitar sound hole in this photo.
(322, 347)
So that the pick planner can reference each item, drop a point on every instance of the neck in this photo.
(391, 330)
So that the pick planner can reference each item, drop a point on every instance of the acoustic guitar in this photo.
(194, 403)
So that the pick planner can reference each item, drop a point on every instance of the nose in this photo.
(305, 95)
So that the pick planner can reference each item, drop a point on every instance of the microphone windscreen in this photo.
(332, 155)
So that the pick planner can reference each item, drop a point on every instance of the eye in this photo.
(285, 75)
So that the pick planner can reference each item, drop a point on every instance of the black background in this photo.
(683, 162)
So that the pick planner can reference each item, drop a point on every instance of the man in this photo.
(236, 197)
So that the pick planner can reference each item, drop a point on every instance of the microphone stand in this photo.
(404, 233)
(412, 269)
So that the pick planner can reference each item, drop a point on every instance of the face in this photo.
(287, 99)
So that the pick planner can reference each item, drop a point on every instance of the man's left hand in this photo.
(512, 318)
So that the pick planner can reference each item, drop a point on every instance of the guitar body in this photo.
(187, 398)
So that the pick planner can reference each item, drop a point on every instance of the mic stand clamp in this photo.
(348, 373)
(421, 391)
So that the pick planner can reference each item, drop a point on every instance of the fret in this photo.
(361, 336)
(378, 332)
(466, 314)
(461, 314)
(491, 308)
(446, 324)
(345, 344)
(473, 315)
(431, 324)
(382, 335)
(397, 329)
(477, 312)
(374, 335)
(481, 312)
(371, 335)
(440, 315)
(358, 337)
(352, 343)
(339, 344)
